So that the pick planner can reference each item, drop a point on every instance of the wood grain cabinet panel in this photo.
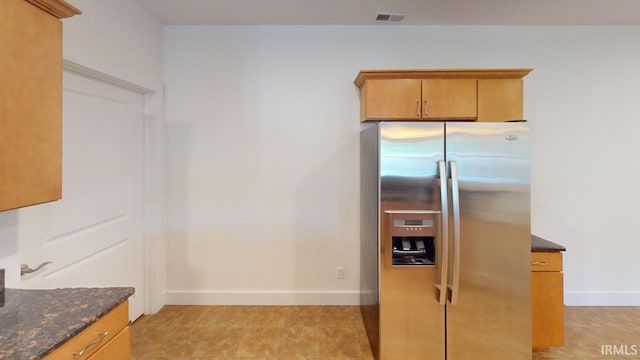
(547, 300)
(500, 99)
(391, 99)
(449, 99)
(30, 102)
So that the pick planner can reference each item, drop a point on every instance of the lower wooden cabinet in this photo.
(547, 302)
(107, 338)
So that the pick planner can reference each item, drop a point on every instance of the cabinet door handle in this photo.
(426, 107)
(539, 263)
(418, 109)
(93, 343)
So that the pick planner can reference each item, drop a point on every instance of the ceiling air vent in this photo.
(390, 17)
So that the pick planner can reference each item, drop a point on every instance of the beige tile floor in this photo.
(335, 332)
(588, 329)
(251, 332)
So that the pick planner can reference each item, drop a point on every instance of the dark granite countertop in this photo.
(539, 244)
(33, 323)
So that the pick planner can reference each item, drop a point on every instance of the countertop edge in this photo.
(539, 244)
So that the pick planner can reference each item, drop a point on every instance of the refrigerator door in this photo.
(489, 313)
(411, 318)
(369, 290)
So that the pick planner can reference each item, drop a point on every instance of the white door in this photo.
(94, 235)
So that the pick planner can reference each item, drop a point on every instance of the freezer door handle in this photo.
(444, 233)
(455, 207)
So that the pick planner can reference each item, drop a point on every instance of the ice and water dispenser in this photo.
(413, 238)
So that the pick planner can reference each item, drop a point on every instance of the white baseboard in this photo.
(177, 297)
(602, 298)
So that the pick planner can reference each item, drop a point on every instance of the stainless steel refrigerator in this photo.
(445, 240)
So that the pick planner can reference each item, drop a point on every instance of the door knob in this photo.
(25, 269)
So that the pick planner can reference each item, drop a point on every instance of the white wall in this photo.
(118, 38)
(115, 37)
(262, 139)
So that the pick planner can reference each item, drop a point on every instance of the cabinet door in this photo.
(547, 300)
(390, 99)
(547, 309)
(30, 105)
(449, 99)
(499, 99)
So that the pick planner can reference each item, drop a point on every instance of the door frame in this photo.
(152, 185)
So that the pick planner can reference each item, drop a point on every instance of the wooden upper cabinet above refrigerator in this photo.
(500, 99)
(458, 95)
(31, 101)
(454, 99)
(415, 99)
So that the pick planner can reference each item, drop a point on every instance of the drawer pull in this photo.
(93, 343)
(539, 263)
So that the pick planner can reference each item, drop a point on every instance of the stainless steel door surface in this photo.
(369, 289)
(411, 319)
(409, 153)
(489, 313)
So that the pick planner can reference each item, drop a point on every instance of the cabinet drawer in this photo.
(546, 261)
(119, 348)
(111, 324)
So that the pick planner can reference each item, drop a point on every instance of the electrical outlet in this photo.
(339, 273)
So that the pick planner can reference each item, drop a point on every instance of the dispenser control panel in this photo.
(413, 239)
(413, 224)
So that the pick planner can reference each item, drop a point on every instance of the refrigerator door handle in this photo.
(444, 233)
(455, 200)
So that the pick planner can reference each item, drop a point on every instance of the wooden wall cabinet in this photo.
(500, 99)
(547, 300)
(106, 339)
(415, 99)
(449, 99)
(31, 101)
(462, 95)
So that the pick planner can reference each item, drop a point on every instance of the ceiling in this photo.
(419, 12)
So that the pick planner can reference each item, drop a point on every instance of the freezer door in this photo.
(409, 155)
(411, 318)
(489, 310)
